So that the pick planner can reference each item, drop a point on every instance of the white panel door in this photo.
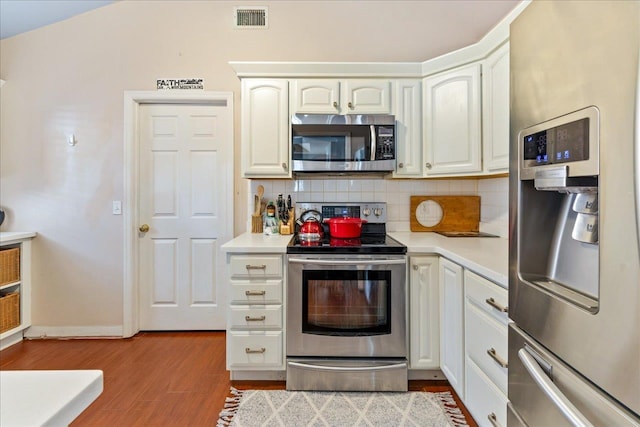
(185, 182)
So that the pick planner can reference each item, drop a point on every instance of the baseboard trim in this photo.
(426, 374)
(42, 332)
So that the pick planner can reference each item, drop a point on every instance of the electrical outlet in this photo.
(117, 207)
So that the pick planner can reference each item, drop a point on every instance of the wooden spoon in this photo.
(260, 191)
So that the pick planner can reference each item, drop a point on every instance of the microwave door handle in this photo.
(552, 391)
(374, 141)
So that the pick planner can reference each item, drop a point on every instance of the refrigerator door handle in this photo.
(636, 137)
(551, 390)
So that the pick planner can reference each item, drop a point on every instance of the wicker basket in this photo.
(9, 311)
(9, 266)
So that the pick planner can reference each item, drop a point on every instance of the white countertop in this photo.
(46, 398)
(15, 236)
(486, 256)
(258, 243)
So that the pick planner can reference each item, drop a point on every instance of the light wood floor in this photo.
(153, 378)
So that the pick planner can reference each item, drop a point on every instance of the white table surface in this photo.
(46, 398)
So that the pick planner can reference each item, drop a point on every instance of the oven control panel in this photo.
(373, 212)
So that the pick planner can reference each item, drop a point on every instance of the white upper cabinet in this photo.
(452, 124)
(339, 96)
(265, 128)
(408, 113)
(495, 110)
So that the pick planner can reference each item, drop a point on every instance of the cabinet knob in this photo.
(415, 267)
(401, 165)
(350, 105)
(144, 228)
(493, 419)
(335, 104)
(284, 166)
(428, 165)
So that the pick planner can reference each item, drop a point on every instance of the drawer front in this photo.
(483, 399)
(255, 266)
(255, 317)
(484, 334)
(254, 350)
(256, 292)
(491, 297)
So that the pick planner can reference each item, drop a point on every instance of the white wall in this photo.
(70, 77)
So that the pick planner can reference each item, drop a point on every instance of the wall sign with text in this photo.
(180, 84)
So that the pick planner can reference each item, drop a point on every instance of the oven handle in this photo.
(347, 261)
(353, 368)
(551, 390)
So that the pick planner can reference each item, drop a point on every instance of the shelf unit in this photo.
(20, 240)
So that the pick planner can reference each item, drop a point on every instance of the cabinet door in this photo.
(265, 128)
(495, 111)
(316, 96)
(408, 112)
(452, 126)
(424, 325)
(452, 324)
(367, 97)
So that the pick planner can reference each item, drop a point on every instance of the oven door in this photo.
(347, 307)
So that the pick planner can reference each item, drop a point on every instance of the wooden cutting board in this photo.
(459, 213)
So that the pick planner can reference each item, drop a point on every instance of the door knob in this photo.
(144, 228)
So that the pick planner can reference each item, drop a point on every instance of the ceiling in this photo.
(19, 16)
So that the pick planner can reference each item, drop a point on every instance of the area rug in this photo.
(261, 408)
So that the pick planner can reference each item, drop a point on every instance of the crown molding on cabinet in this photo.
(477, 51)
(326, 69)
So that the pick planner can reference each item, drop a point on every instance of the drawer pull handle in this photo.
(497, 306)
(254, 319)
(250, 351)
(493, 419)
(254, 293)
(499, 360)
(256, 267)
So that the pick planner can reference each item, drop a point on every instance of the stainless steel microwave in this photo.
(343, 143)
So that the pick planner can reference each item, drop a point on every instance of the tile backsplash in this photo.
(396, 193)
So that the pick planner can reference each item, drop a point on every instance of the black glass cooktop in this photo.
(366, 244)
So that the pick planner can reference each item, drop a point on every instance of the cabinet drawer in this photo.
(256, 292)
(484, 400)
(484, 334)
(491, 297)
(255, 317)
(255, 266)
(254, 350)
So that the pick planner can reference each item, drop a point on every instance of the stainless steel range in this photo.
(346, 298)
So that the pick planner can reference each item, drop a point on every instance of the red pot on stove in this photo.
(345, 227)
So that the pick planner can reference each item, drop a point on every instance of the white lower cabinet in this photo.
(486, 350)
(255, 332)
(424, 313)
(452, 324)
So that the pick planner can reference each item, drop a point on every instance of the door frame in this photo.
(132, 102)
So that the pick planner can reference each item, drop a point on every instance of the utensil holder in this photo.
(256, 223)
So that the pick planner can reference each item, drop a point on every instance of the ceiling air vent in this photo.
(251, 17)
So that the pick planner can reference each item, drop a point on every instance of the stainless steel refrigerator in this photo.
(574, 274)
